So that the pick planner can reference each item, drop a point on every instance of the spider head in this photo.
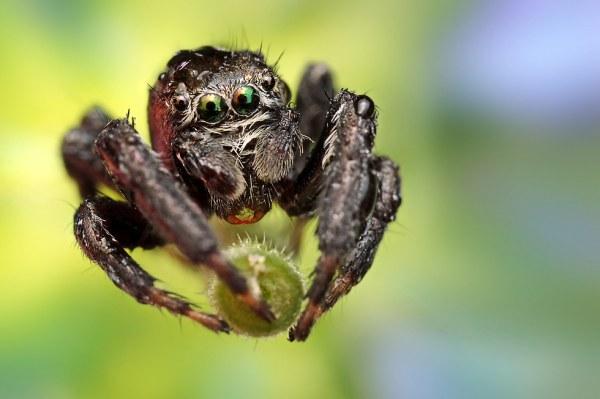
(226, 94)
(232, 100)
(220, 90)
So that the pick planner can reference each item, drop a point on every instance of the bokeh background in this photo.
(486, 286)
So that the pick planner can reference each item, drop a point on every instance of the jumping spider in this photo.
(227, 141)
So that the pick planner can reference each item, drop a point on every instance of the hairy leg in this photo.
(314, 94)
(103, 228)
(154, 191)
(79, 154)
(208, 162)
(295, 237)
(299, 195)
(341, 169)
(360, 259)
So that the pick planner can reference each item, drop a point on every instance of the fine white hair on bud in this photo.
(271, 274)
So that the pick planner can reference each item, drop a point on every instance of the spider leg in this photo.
(343, 185)
(299, 193)
(359, 260)
(314, 93)
(207, 161)
(154, 191)
(79, 155)
(103, 228)
(295, 235)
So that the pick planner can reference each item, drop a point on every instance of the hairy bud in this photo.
(270, 273)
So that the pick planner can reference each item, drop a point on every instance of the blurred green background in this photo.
(486, 286)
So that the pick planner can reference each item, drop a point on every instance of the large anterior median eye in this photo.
(245, 100)
(212, 108)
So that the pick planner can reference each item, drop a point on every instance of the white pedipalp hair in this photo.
(332, 139)
(239, 134)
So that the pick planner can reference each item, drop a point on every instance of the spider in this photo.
(227, 141)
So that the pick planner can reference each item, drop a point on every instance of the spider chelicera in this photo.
(226, 141)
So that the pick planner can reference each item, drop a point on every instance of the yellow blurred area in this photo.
(485, 286)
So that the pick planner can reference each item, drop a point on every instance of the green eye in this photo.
(245, 100)
(212, 108)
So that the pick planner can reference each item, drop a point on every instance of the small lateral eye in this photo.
(245, 100)
(212, 108)
(365, 107)
(180, 102)
(267, 81)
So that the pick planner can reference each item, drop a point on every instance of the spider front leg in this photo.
(153, 190)
(299, 195)
(359, 261)
(314, 93)
(345, 186)
(209, 163)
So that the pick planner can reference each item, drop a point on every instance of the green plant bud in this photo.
(269, 272)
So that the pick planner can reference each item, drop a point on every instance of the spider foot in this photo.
(259, 306)
(305, 323)
(163, 299)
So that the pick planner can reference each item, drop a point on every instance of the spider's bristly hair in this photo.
(276, 63)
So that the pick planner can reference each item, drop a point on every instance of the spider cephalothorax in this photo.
(235, 107)
(227, 141)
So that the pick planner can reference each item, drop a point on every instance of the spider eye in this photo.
(245, 100)
(212, 108)
(268, 81)
(180, 102)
